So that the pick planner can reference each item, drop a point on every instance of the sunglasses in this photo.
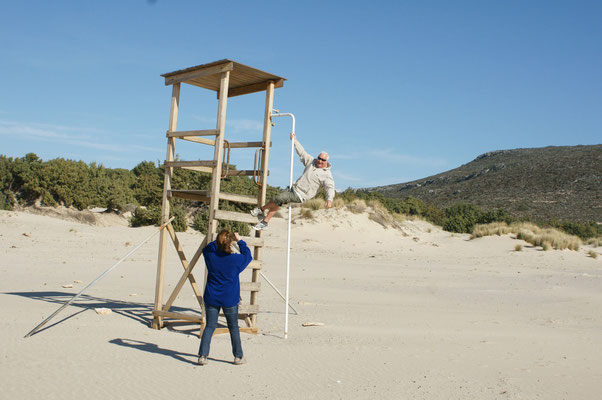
(321, 159)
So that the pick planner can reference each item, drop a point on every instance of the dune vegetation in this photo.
(27, 181)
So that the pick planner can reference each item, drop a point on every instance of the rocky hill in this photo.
(563, 183)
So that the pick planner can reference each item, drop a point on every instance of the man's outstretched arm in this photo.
(305, 157)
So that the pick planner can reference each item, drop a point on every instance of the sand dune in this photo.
(415, 313)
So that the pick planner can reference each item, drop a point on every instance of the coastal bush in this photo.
(27, 180)
(593, 254)
(143, 216)
(580, 229)
(179, 222)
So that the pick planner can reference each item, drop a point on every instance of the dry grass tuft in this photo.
(307, 213)
(313, 204)
(494, 228)
(518, 247)
(357, 206)
(381, 215)
(338, 203)
(546, 238)
(593, 254)
(596, 242)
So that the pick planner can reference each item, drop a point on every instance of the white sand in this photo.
(425, 315)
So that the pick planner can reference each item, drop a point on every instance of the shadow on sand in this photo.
(140, 312)
(153, 348)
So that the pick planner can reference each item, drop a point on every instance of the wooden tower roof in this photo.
(243, 79)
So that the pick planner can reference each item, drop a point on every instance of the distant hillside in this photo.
(562, 183)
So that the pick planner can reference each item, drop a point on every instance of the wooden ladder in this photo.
(218, 170)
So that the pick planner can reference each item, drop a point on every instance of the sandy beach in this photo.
(416, 313)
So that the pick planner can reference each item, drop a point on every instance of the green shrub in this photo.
(179, 223)
(144, 217)
(581, 229)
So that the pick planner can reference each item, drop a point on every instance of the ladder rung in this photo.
(248, 172)
(204, 132)
(253, 241)
(190, 164)
(248, 308)
(204, 195)
(250, 286)
(235, 216)
(175, 315)
(238, 197)
(256, 264)
(242, 145)
(196, 195)
(242, 329)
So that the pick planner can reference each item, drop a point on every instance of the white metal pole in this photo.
(290, 209)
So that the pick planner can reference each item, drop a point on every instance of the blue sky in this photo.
(393, 90)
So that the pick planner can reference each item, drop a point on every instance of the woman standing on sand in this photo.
(223, 290)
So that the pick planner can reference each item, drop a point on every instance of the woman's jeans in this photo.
(231, 314)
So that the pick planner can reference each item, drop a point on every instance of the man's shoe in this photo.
(239, 361)
(261, 226)
(202, 360)
(257, 212)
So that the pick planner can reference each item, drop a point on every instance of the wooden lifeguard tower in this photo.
(228, 78)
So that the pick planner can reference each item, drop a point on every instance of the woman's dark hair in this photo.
(224, 241)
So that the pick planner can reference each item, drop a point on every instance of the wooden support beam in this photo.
(186, 76)
(255, 87)
(201, 140)
(218, 154)
(267, 134)
(203, 132)
(234, 216)
(171, 143)
(188, 164)
(183, 279)
(182, 256)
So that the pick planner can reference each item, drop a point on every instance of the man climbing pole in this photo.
(317, 174)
